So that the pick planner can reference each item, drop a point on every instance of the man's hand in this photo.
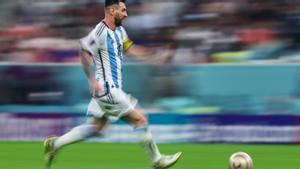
(95, 89)
(163, 56)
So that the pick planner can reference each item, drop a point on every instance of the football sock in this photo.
(76, 134)
(147, 142)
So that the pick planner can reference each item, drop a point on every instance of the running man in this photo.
(103, 48)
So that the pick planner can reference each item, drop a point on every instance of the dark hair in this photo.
(112, 2)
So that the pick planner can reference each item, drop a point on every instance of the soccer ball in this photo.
(240, 160)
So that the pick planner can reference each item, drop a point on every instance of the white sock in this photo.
(148, 143)
(76, 134)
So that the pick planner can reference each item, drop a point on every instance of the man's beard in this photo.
(118, 22)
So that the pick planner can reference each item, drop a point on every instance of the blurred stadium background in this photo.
(234, 78)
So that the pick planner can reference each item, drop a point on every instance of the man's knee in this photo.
(142, 121)
(136, 118)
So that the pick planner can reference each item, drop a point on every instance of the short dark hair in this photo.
(112, 2)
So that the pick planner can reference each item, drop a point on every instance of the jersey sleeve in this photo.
(127, 42)
(85, 43)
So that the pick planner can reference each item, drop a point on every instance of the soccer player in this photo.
(103, 47)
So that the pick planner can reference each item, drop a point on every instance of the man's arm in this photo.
(86, 63)
(155, 55)
(151, 54)
(140, 51)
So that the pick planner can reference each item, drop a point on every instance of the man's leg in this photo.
(140, 123)
(90, 128)
(137, 119)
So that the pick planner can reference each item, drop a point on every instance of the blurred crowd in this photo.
(199, 31)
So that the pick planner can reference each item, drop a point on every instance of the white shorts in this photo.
(115, 104)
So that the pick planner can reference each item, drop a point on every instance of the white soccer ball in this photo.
(240, 160)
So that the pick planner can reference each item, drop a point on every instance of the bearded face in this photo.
(118, 21)
(120, 13)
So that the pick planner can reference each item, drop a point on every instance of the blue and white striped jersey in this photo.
(106, 47)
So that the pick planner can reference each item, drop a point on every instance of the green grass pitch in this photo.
(29, 155)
